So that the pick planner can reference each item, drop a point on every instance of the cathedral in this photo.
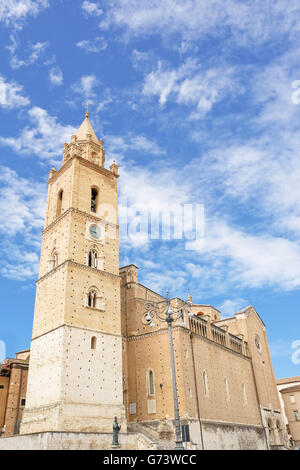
(96, 353)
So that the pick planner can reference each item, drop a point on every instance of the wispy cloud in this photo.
(22, 210)
(253, 21)
(137, 143)
(44, 138)
(91, 8)
(191, 85)
(96, 44)
(56, 76)
(34, 53)
(11, 95)
(229, 306)
(86, 87)
(14, 12)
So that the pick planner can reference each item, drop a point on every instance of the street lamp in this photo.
(164, 312)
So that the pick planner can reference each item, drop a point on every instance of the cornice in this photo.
(94, 218)
(77, 265)
(84, 162)
(69, 325)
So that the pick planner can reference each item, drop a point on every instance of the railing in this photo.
(216, 334)
(235, 343)
(199, 326)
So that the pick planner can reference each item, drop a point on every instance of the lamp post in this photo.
(164, 312)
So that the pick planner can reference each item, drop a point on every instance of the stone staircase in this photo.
(152, 435)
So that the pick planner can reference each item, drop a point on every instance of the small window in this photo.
(151, 382)
(185, 432)
(292, 399)
(296, 414)
(53, 262)
(94, 198)
(1, 386)
(59, 202)
(23, 402)
(205, 384)
(92, 299)
(93, 342)
(92, 258)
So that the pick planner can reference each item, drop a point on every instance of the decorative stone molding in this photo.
(93, 218)
(78, 265)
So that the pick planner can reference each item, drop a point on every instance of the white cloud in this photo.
(253, 21)
(191, 85)
(254, 260)
(91, 8)
(230, 306)
(232, 257)
(97, 44)
(107, 98)
(10, 95)
(14, 12)
(86, 87)
(35, 52)
(119, 144)
(44, 138)
(56, 76)
(22, 210)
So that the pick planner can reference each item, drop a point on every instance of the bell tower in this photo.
(75, 374)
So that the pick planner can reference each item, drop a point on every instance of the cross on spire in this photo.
(87, 111)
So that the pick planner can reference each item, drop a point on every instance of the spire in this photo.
(86, 128)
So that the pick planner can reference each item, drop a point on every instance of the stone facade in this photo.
(13, 378)
(94, 354)
(225, 380)
(289, 392)
(75, 377)
(4, 382)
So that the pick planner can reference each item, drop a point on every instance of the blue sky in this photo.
(199, 103)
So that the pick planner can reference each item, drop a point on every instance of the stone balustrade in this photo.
(204, 327)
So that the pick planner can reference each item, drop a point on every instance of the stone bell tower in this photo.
(75, 374)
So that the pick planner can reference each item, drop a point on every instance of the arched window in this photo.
(93, 342)
(205, 383)
(94, 199)
(151, 382)
(59, 202)
(55, 259)
(227, 389)
(93, 258)
(92, 298)
(245, 394)
(53, 262)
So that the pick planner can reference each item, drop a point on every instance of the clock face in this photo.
(95, 232)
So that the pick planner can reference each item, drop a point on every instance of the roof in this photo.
(247, 310)
(86, 128)
(288, 380)
(295, 388)
(206, 305)
(128, 266)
